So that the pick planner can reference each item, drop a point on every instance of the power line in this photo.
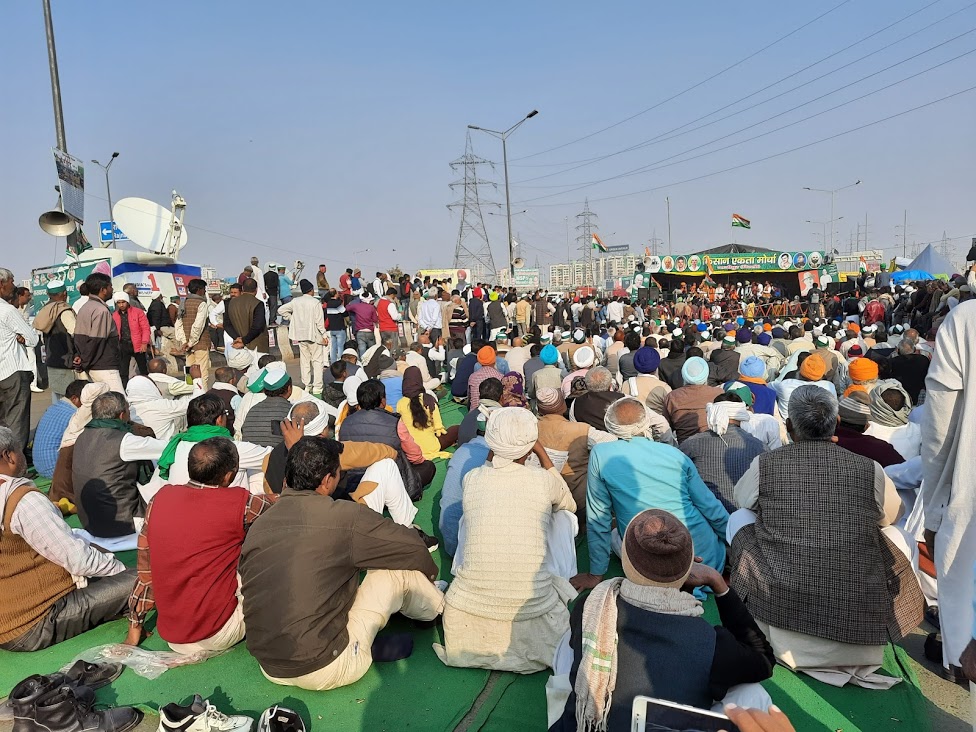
(693, 87)
(739, 100)
(662, 163)
(767, 157)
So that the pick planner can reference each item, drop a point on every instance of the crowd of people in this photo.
(805, 466)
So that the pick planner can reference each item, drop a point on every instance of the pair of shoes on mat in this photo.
(64, 702)
(202, 716)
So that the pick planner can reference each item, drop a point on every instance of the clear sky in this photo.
(321, 129)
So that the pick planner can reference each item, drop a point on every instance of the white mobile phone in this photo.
(656, 714)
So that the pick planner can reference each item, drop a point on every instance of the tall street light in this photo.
(824, 225)
(832, 193)
(503, 136)
(108, 191)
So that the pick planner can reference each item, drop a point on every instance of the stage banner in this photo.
(821, 277)
(709, 264)
(444, 274)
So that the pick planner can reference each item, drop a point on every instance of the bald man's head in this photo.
(158, 366)
(225, 375)
(304, 410)
(213, 461)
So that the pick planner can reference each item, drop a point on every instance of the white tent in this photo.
(932, 262)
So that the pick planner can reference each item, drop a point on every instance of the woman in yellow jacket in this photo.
(420, 414)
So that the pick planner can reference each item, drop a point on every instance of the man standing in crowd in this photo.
(322, 282)
(96, 337)
(245, 321)
(56, 320)
(191, 328)
(16, 336)
(133, 328)
(306, 327)
(270, 286)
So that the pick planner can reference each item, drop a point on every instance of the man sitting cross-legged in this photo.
(189, 548)
(309, 621)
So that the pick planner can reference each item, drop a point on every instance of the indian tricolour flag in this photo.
(598, 244)
(862, 265)
(741, 221)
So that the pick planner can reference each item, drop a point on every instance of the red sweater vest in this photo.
(195, 537)
(383, 307)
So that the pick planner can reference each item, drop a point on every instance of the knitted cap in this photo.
(550, 401)
(813, 367)
(863, 369)
(657, 550)
(855, 351)
(854, 408)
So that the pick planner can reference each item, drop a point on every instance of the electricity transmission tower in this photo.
(944, 248)
(587, 227)
(472, 251)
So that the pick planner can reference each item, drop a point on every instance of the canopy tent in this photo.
(931, 261)
(910, 275)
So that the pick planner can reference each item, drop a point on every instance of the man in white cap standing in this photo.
(306, 327)
(56, 320)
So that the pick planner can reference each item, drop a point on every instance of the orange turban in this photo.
(486, 356)
(853, 327)
(813, 367)
(767, 327)
(863, 369)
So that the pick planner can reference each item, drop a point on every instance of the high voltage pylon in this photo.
(473, 251)
(945, 248)
(586, 227)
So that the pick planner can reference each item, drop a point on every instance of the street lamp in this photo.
(832, 193)
(824, 224)
(503, 136)
(108, 191)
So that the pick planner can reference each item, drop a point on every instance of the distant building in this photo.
(576, 273)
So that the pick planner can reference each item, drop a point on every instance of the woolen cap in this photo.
(550, 401)
(657, 550)
(855, 408)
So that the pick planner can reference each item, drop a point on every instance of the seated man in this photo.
(254, 392)
(487, 370)
(206, 417)
(225, 389)
(332, 391)
(823, 571)
(723, 362)
(165, 417)
(506, 608)
(812, 369)
(470, 455)
(685, 406)
(372, 422)
(890, 409)
(415, 357)
(463, 371)
(43, 602)
(189, 547)
(490, 394)
(591, 407)
(109, 462)
(752, 372)
(169, 386)
(635, 473)
(724, 451)
(381, 486)
(324, 636)
(646, 386)
(568, 444)
(644, 615)
(259, 426)
(51, 428)
(853, 418)
(550, 373)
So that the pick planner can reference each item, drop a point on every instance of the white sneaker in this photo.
(33, 388)
(200, 716)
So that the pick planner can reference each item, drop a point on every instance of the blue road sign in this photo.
(105, 232)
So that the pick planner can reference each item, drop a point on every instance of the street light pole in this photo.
(832, 193)
(108, 192)
(508, 202)
(52, 62)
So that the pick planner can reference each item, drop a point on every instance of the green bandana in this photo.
(197, 433)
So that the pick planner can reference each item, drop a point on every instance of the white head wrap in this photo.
(511, 432)
(83, 416)
(141, 389)
(349, 387)
(718, 415)
(584, 357)
(628, 431)
(317, 426)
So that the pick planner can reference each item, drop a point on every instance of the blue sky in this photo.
(322, 129)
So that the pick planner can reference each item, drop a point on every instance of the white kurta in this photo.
(949, 491)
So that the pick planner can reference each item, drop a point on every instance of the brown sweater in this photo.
(684, 408)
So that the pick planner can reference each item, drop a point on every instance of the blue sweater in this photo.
(466, 458)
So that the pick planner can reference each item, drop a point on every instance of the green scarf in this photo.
(197, 433)
(145, 466)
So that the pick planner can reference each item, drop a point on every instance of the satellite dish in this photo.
(150, 226)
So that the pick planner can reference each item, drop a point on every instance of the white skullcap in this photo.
(511, 432)
(584, 357)
(318, 425)
(349, 387)
(351, 352)
(121, 297)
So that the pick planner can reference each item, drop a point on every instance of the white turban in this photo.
(317, 426)
(584, 357)
(511, 432)
(349, 387)
(718, 415)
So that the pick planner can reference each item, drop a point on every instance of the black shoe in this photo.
(61, 711)
(82, 675)
(20, 704)
(933, 648)
(955, 675)
(430, 542)
(932, 616)
(280, 719)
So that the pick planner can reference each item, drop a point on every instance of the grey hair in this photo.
(599, 378)
(307, 410)
(906, 347)
(6, 275)
(8, 440)
(813, 413)
(109, 405)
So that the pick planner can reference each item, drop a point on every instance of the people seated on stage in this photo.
(225, 389)
(51, 428)
(207, 417)
(647, 387)
(752, 372)
(685, 406)
(811, 371)
(189, 548)
(259, 426)
(110, 460)
(724, 451)
(590, 408)
(490, 393)
(316, 628)
(854, 417)
(506, 608)
(568, 443)
(169, 386)
(890, 408)
(418, 410)
(550, 374)
(814, 553)
(372, 422)
(54, 584)
(645, 616)
(165, 417)
(376, 481)
(635, 473)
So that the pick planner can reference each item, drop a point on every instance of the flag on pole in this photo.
(738, 220)
(598, 244)
(862, 265)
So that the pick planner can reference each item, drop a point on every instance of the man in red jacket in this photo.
(194, 533)
(388, 313)
(133, 327)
